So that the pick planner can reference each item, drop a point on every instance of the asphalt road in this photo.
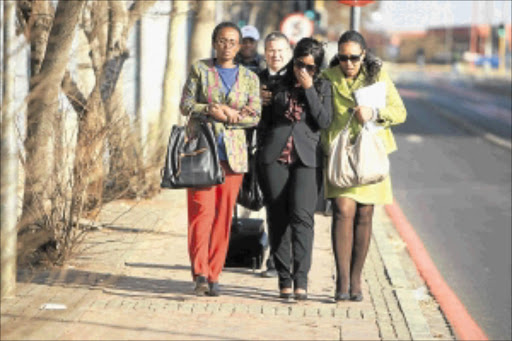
(454, 186)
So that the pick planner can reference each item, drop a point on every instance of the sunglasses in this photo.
(301, 65)
(352, 57)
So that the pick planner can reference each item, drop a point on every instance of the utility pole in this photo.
(473, 34)
(9, 172)
(488, 39)
(502, 44)
(355, 11)
(502, 47)
(355, 18)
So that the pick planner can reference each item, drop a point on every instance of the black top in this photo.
(256, 65)
(275, 127)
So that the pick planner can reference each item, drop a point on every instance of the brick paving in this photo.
(130, 279)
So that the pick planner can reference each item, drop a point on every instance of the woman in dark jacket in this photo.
(290, 163)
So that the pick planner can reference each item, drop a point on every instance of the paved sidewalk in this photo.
(131, 280)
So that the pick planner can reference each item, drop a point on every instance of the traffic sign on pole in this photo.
(297, 26)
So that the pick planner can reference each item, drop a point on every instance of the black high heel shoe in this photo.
(339, 296)
(301, 295)
(356, 297)
(285, 294)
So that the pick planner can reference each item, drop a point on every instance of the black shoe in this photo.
(269, 273)
(301, 296)
(214, 289)
(341, 296)
(285, 295)
(356, 297)
(201, 287)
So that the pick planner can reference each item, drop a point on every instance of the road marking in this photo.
(463, 324)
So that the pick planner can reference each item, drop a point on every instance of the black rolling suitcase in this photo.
(247, 243)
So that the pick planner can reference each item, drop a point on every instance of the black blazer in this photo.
(276, 127)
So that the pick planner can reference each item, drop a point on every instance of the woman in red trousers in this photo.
(227, 95)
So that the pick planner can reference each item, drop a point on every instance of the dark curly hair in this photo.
(371, 63)
(225, 24)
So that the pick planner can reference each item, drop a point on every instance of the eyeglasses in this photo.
(228, 43)
(354, 58)
(301, 65)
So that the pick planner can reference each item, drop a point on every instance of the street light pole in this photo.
(355, 18)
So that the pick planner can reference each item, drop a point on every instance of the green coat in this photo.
(394, 113)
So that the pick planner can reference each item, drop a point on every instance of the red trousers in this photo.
(210, 212)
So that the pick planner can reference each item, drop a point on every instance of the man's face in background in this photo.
(248, 48)
(277, 54)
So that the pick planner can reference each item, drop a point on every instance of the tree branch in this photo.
(137, 9)
(111, 71)
(74, 95)
(118, 21)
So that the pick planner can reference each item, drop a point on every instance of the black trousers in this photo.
(291, 193)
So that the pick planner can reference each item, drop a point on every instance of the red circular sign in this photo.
(297, 26)
(356, 3)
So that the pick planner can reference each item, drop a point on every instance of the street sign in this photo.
(356, 3)
(297, 26)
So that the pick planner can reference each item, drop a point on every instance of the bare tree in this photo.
(126, 174)
(9, 159)
(107, 32)
(204, 23)
(176, 61)
(106, 25)
(42, 108)
(38, 17)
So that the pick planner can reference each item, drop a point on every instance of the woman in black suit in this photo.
(290, 163)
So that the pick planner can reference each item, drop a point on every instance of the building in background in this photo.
(448, 44)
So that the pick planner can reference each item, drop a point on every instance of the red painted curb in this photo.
(464, 326)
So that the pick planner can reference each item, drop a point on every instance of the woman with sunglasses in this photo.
(290, 161)
(227, 95)
(353, 68)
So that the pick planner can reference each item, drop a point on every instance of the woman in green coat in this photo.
(351, 69)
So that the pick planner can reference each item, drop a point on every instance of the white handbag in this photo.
(362, 163)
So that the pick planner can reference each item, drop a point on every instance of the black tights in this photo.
(351, 234)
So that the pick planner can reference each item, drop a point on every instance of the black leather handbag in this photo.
(192, 160)
(250, 195)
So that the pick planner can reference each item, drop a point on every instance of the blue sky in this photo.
(417, 15)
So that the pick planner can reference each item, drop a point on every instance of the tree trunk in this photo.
(176, 62)
(126, 173)
(9, 157)
(42, 107)
(204, 23)
(39, 27)
(108, 35)
(88, 164)
(40, 17)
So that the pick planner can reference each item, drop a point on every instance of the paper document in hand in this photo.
(372, 96)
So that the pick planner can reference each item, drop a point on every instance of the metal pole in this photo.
(502, 52)
(355, 18)
(9, 172)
